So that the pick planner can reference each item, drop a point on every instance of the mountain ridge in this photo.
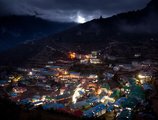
(122, 35)
(18, 29)
(140, 21)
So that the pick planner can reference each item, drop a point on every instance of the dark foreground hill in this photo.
(10, 111)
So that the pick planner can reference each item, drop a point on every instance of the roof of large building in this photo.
(92, 111)
(53, 105)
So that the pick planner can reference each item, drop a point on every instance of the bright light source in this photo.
(77, 94)
(87, 56)
(141, 76)
(128, 108)
(66, 72)
(30, 73)
(80, 19)
(72, 55)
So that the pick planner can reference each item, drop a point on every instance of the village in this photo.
(84, 85)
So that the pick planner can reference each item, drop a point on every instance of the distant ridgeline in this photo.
(21, 29)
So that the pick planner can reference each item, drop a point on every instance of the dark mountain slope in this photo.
(121, 35)
(18, 29)
(117, 27)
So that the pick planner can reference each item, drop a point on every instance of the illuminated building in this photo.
(144, 77)
(19, 90)
(94, 54)
(84, 61)
(95, 111)
(72, 55)
(95, 61)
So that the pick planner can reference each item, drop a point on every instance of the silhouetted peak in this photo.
(101, 17)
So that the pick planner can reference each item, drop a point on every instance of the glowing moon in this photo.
(80, 19)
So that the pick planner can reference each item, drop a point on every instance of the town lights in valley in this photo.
(66, 72)
(141, 76)
(72, 55)
(77, 94)
(87, 57)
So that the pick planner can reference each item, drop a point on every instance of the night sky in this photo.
(69, 10)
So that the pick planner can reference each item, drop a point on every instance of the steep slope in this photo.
(122, 35)
(18, 29)
(120, 26)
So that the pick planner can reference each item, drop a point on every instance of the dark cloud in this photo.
(69, 10)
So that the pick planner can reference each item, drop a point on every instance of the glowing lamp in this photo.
(72, 55)
(141, 76)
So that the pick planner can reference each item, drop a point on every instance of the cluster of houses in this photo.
(54, 86)
(92, 58)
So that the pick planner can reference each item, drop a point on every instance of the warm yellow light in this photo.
(72, 55)
(87, 57)
(16, 79)
(141, 76)
(65, 72)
